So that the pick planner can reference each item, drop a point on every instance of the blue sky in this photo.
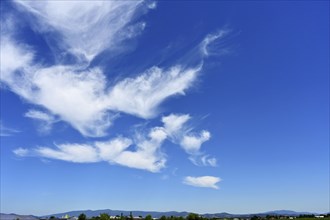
(187, 106)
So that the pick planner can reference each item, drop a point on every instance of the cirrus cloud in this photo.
(6, 131)
(79, 94)
(46, 120)
(81, 26)
(88, 96)
(202, 181)
(147, 154)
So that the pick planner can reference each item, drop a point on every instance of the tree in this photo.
(148, 217)
(163, 218)
(82, 216)
(104, 216)
(193, 216)
(254, 217)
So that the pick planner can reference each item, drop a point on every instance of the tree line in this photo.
(105, 216)
(190, 216)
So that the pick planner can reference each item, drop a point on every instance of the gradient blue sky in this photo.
(199, 106)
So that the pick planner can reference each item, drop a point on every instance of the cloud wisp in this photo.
(212, 43)
(6, 131)
(142, 95)
(202, 181)
(83, 26)
(190, 142)
(147, 154)
(46, 120)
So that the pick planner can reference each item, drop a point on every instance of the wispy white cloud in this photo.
(85, 28)
(192, 143)
(180, 133)
(39, 115)
(142, 95)
(81, 98)
(207, 45)
(174, 124)
(14, 56)
(77, 97)
(6, 131)
(78, 153)
(203, 160)
(146, 156)
(46, 120)
(112, 149)
(152, 5)
(202, 181)
(84, 97)
(21, 152)
(76, 94)
(207, 160)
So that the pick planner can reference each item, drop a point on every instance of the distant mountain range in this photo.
(263, 214)
(91, 213)
(14, 217)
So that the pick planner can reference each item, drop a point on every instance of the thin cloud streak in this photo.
(147, 154)
(207, 45)
(203, 160)
(6, 131)
(21, 152)
(45, 120)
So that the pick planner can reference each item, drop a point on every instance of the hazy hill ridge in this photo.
(91, 213)
(14, 216)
